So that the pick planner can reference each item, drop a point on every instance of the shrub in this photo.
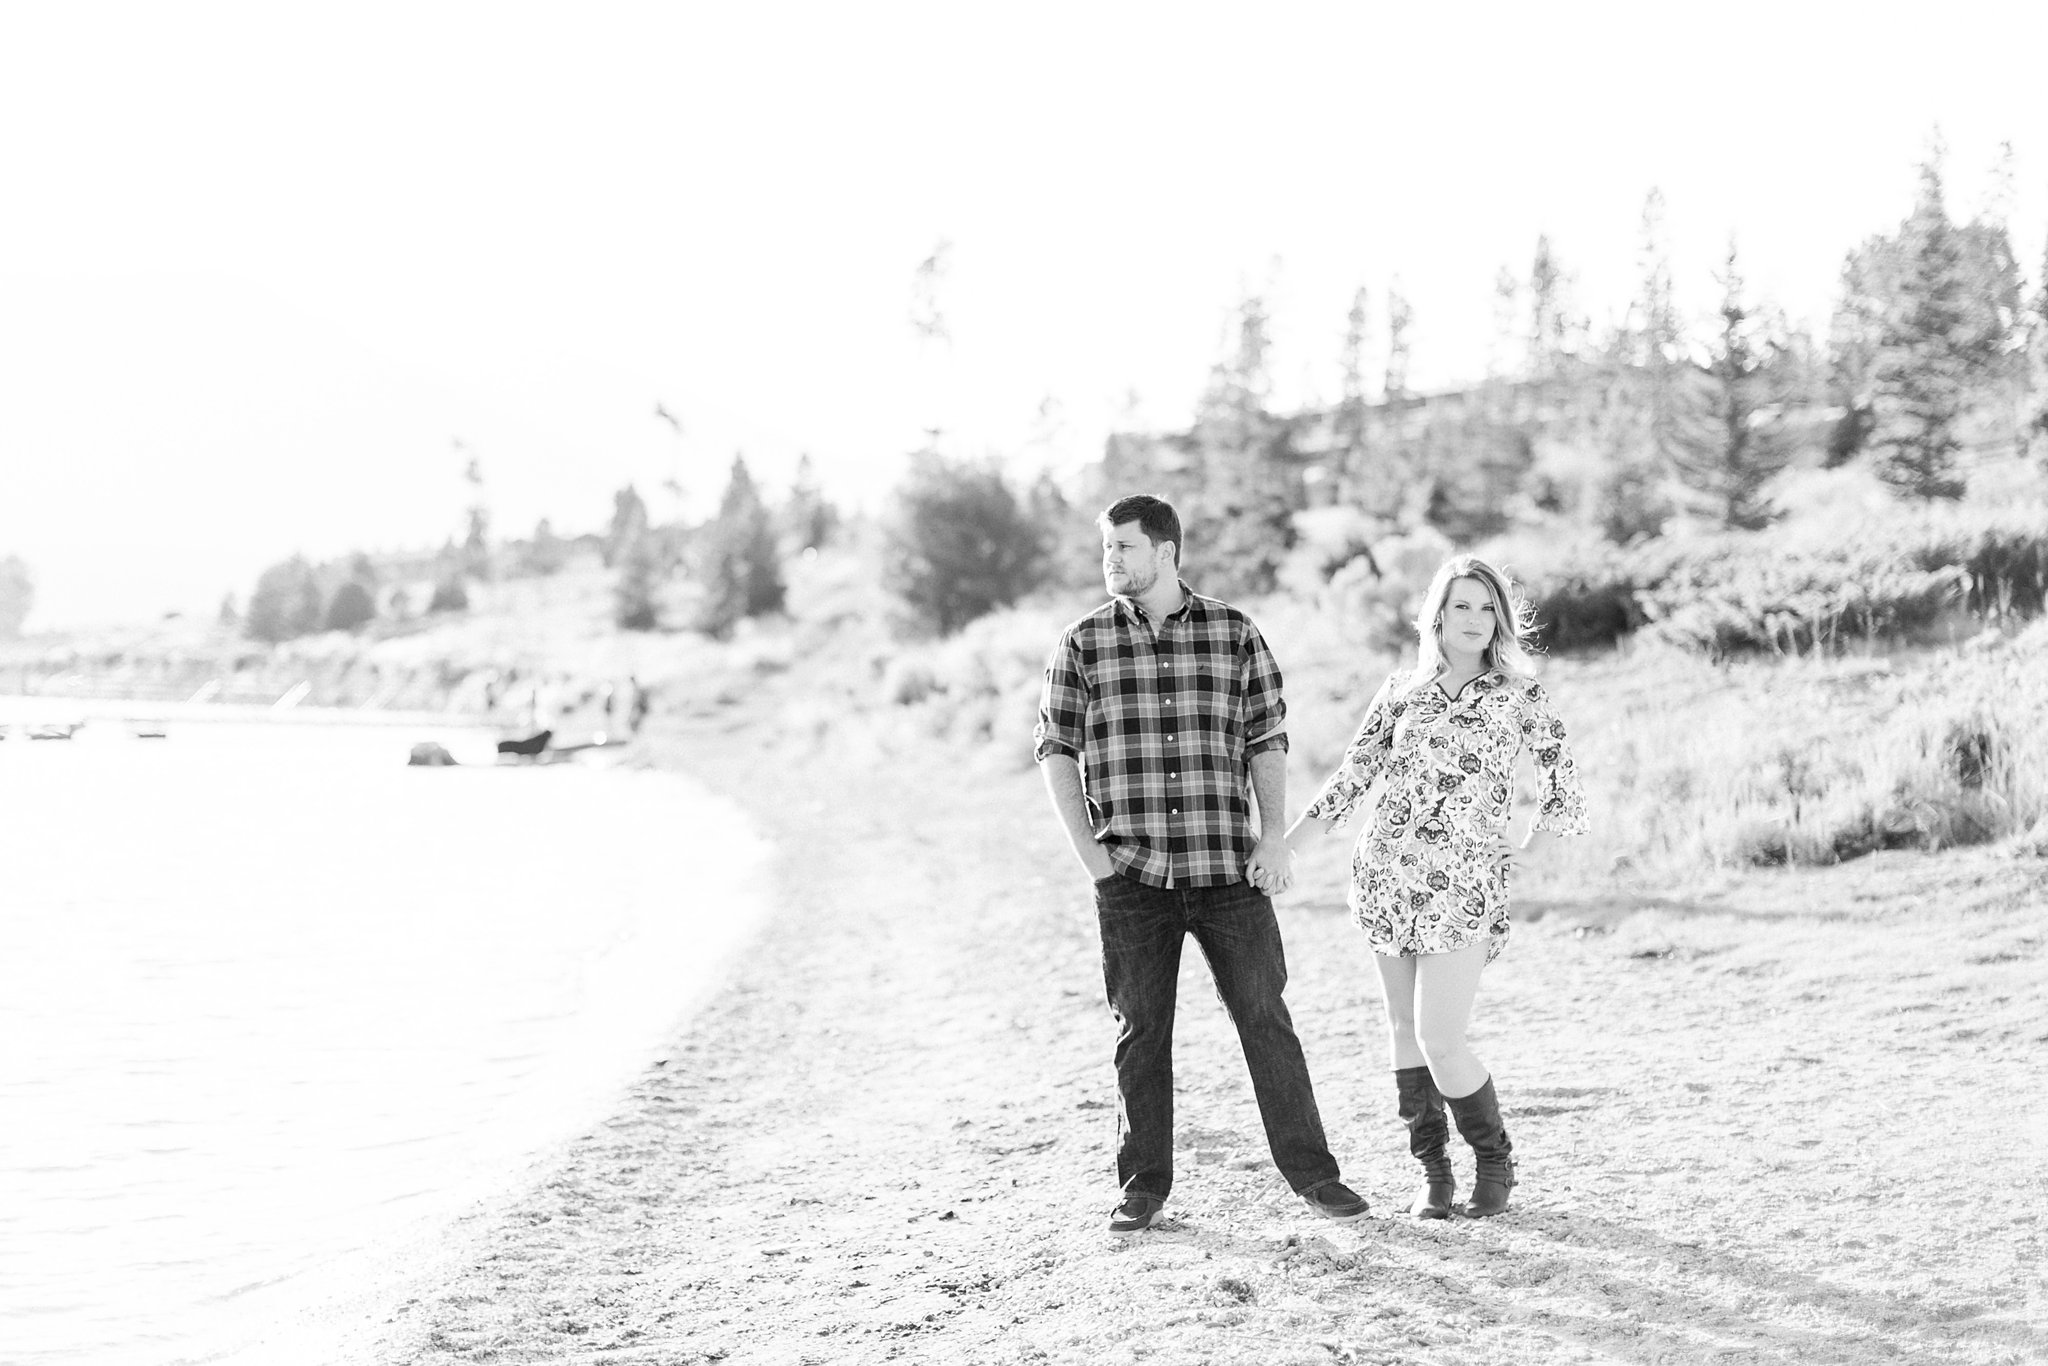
(741, 569)
(1739, 593)
(1376, 597)
(960, 543)
(285, 603)
(350, 607)
(450, 595)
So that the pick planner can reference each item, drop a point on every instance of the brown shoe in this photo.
(1478, 1117)
(1335, 1200)
(1429, 1136)
(1137, 1212)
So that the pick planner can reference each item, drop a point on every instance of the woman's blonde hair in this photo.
(1513, 641)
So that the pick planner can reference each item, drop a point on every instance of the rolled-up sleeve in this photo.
(1062, 704)
(1265, 708)
(1364, 759)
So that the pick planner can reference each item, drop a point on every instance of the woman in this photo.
(1429, 879)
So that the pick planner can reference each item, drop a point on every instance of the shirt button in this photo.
(1176, 811)
(1169, 701)
(1173, 775)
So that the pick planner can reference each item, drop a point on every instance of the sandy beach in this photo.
(1775, 1117)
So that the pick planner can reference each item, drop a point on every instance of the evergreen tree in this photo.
(1991, 340)
(476, 543)
(1347, 423)
(1550, 318)
(547, 552)
(1635, 401)
(1923, 363)
(2035, 427)
(1400, 318)
(1870, 276)
(628, 524)
(958, 543)
(1475, 462)
(1504, 352)
(1729, 458)
(809, 521)
(17, 595)
(286, 602)
(742, 572)
(1073, 544)
(640, 568)
(1656, 337)
(1242, 511)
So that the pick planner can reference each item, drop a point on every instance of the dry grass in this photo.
(1688, 765)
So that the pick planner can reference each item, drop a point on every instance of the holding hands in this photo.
(1271, 869)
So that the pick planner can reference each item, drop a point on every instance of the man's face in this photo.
(1131, 563)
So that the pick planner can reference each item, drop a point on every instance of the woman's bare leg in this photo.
(1445, 987)
(1397, 985)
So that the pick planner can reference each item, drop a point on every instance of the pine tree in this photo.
(1923, 366)
(1729, 458)
(547, 552)
(1348, 421)
(1400, 318)
(1239, 521)
(808, 519)
(476, 543)
(1503, 352)
(1656, 337)
(742, 571)
(1073, 544)
(628, 525)
(17, 595)
(1636, 399)
(1993, 338)
(1551, 325)
(2035, 426)
(1870, 277)
(639, 564)
(1656, 353)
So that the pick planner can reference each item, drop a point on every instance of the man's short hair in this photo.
(1154, 516)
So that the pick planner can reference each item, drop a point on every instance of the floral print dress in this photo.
(1422, 877)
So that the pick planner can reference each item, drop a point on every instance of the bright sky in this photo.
(262, 266)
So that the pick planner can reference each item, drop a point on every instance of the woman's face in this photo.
(1469, 621)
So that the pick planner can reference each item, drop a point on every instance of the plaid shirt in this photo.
(1164, 726)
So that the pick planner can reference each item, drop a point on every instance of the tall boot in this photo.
(1478, 1117)
(1429, 1136)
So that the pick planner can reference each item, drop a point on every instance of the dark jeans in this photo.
(1142, 931)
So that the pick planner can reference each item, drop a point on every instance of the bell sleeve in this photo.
(1364, 759)
(1560, 801)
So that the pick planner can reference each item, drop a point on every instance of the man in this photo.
(1155, 706)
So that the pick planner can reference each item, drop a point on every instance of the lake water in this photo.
(273, 1004)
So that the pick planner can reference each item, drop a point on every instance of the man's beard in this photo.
(1139, 584)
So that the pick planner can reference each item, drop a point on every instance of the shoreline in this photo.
(1751, 1123)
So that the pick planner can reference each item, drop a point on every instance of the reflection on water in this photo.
(272, 999)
